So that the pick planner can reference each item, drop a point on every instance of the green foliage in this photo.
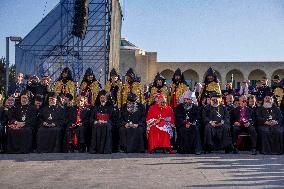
(12, 74)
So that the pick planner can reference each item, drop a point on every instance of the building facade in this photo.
(146, 66)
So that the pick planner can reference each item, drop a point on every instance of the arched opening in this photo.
(256, 75)
(168, 74)
(236, 77)
(279, 72)
(191, 77)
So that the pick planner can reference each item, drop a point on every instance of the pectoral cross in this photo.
(50, 117)
(24, 117)
(218, 114)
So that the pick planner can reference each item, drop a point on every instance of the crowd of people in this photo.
(128, 117)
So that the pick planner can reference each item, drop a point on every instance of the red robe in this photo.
(159, 134)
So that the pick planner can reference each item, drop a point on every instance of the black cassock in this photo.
(78, 121)
(249, 117)
(216, 138)
(188, 138)
(19, 140)
(133, 140)
(271, 137)
(50, 137)
(2, 128)
(101, 141)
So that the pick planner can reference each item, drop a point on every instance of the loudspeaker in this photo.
(80, 19)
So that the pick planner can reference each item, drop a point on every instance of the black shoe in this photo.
(228, 150)
(82, 148)
(207, 152)
(198, 153)
(253, 151)
(235, 151)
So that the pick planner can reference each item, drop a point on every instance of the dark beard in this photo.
(187, 106)
(177, 82)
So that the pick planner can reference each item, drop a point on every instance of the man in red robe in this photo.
(160, 124)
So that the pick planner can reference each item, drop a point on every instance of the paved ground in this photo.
(141, 171)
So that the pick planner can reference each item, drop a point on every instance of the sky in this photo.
(179, 30)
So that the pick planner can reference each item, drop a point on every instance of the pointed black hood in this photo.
(130, 73)
(210, 72)
(159, 77)
(69, 74)
(113, 72)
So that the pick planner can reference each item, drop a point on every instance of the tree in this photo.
(12, 74)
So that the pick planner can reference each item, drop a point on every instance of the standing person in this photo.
(217, 126)
(101, 121)
(160, 124)
(44, 88)
(277, 89)
(178, 87)
(158, 87)
(18, 86)
(211, 84)
(65, 83)
(113, 87)
(21, 121)
(90, 87)
(132, 126)
(132, 85)
(269, 120)
(78, 120)
(187, 123)
(50, 132)
(243, 121)
(263, 87)
(244, 90)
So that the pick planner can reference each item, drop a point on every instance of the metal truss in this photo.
(50, 46)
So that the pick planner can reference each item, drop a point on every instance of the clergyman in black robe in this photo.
(21, 121)
(217, 126)
(243, 121)
(78, 120)
(270, 130)
(187, 124)
(132, 126)
(101, 121)
(50, 133)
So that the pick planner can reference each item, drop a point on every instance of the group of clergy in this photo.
(38, 117)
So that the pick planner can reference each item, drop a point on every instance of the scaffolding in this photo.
(50, 46)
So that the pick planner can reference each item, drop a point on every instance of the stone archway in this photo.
(279, 72)
(256, 75)
(168, 74)
(191, 77)
(238, 77)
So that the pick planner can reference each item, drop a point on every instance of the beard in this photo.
(267, 104)
(187, 106)
(215, 105)
(132, 108)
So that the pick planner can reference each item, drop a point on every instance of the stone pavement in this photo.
(141, 171)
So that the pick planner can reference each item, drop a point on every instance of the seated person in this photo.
(243, 121)
(160, 124)
(187, 124)
(21, 121)
(51, 120)
(217, 126)
(269, 120)
(133, 126)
